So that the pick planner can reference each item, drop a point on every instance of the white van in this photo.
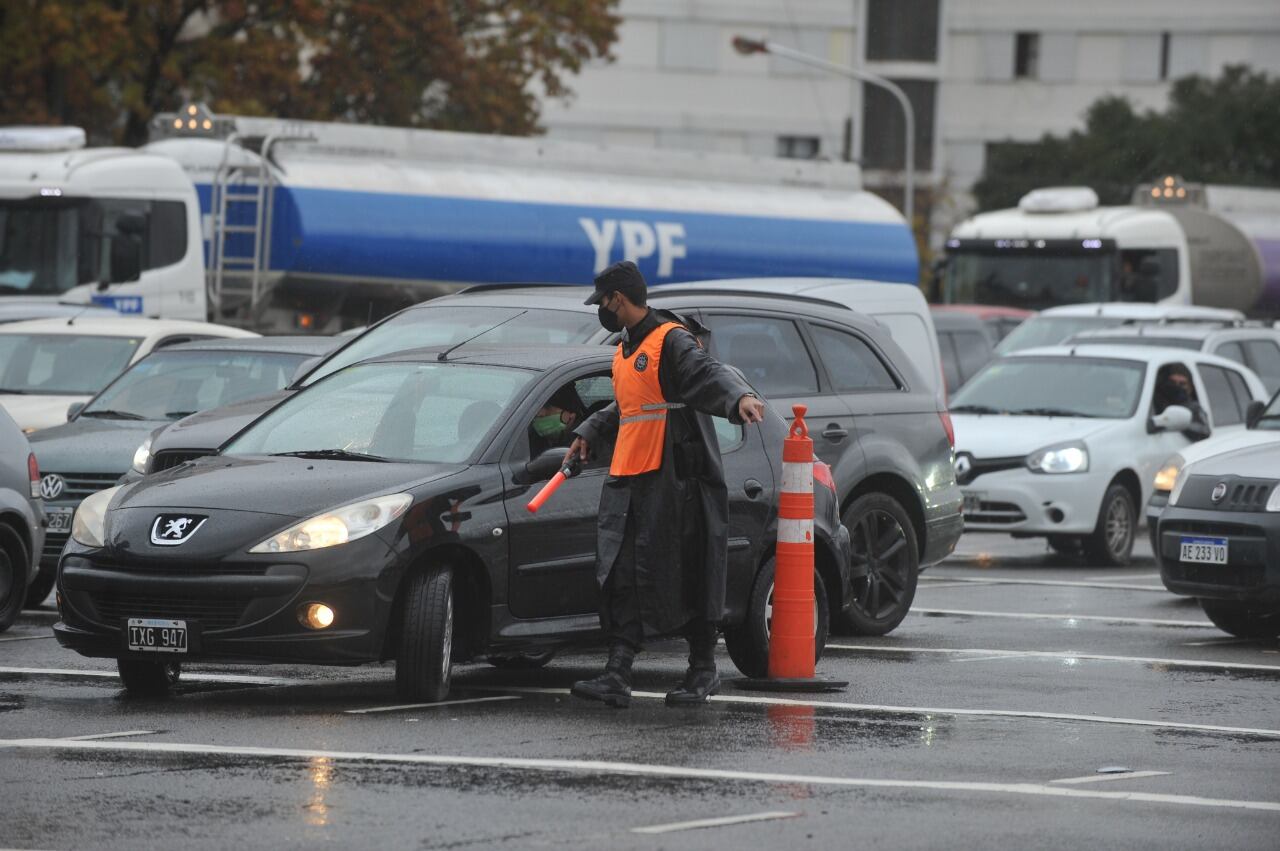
(901, 308)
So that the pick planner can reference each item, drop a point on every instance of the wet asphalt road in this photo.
(1017, 670)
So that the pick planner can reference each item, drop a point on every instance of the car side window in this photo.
(850, 362)
(564, 410)
(950, 365)
(770, 352)
(1264, 359)
(1231, 351)
(973, 351)
(1222, 401)
(1241, 389)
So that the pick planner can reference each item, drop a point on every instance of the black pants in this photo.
(620, 607)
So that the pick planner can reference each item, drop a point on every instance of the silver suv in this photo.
(21, 519)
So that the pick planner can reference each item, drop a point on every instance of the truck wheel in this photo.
(40, 587)
(881, 537)
(148, 679)
(13, 584)
(1111, 543)
(748, 642)
(522, 661)
(424, 663)
(1241, 619)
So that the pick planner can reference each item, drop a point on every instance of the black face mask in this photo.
(609, 320)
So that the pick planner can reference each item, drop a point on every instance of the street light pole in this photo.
(747, 46)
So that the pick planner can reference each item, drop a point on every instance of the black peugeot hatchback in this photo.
(380, 514)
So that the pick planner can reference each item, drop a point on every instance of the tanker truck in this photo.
(1174, 243)
(297, 226)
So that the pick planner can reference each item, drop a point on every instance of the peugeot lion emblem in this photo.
(52, 485)
(1219, 491)
(169, 530)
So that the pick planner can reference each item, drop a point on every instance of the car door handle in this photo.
(752, 488)
(834, 433)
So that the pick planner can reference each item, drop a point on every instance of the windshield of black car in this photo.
(449, 324)
(1051, 330)
(1054, 386)
(167, 384)
(429, 412)
(62, 364)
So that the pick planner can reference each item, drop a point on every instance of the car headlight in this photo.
(88, 525)
(1179, 483)
(1273, 501)
(348, 523)
(1167, 475)
(1063, 458)
(142, 455)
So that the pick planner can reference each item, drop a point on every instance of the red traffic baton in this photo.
(792, 645)
(568, 471)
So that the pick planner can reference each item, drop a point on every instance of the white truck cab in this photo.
(113, 227)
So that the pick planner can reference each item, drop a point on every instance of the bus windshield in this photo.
(1033, 281)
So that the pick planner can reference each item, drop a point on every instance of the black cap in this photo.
(622, 277)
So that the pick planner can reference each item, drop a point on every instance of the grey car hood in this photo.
(210, 429)
(90, 445)
(1254, 462)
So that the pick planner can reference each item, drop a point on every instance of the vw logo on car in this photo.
(52, 486)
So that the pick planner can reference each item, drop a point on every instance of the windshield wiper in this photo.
(1051, 412)
(332, 454)
(177, 415)
(114, 415)
(976, 409)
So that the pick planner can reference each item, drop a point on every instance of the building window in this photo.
(1164, 56)
(1026, 56)
(884, 129)
(690, 46)
(799, 147)
(902, 30)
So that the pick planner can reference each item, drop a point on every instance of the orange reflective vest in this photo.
(642, 410)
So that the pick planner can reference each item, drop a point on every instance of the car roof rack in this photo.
(746, 293)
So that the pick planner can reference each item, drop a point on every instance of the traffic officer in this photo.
(662, 529)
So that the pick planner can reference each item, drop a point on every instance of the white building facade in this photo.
(977, 72)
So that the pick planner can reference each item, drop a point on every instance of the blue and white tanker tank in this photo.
(363, 219)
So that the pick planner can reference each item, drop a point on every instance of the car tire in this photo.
(1111, 544)
(13, 584)
(748, 642)
(522, 661)
(883, 597)
(148, 679)
(1241, 619)
(424, 662)
(38, 590)
(1067, 545)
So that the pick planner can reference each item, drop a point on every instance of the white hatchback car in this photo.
(1064, 442)
(1051, 327)
(48, 365)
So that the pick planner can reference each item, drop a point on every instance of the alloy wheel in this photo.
(1119, 525)
(879, 542)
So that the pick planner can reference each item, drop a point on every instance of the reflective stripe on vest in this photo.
(642, 410)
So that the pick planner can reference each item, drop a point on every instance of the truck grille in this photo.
(167, 459)
(212, 613)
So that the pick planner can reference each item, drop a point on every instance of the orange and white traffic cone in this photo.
(792, 652)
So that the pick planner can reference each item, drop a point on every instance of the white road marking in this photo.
(978, 658)
(1219, 642)
(943, 584)
(123, 735)
(723, 821)
(429, 705)
(925, 710)
(1152, 576)
(186, 677)
(633, 769)
(1062, 583)
(1103, 778)
(46, 613)
(26, 637)
(1056, 654)
(1054, 617)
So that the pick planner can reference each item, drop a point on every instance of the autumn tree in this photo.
(110, 65)
(1221, 130)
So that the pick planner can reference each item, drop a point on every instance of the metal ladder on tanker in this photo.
(237, 283)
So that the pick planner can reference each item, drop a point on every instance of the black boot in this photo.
(701, 680)
(613, 687)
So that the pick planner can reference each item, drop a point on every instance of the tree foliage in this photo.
(110, 65)
(1224, 130)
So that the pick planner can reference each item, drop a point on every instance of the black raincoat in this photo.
(680, 511)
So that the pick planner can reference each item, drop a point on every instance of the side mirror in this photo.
(544, 466)
(1173, 418)
(303, 368)
(1253, 413)
(75, 409)
(126, 260)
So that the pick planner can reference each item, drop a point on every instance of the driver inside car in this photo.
(1174, 387)
(552, 426)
